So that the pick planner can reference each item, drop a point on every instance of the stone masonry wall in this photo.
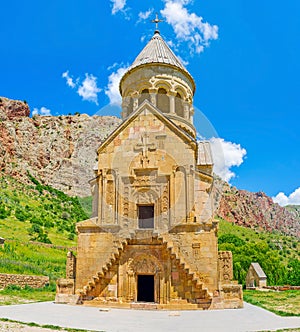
(22, 280)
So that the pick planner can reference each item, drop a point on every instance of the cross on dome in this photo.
(156, 21)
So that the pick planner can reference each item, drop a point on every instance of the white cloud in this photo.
(185, 63)
(88, 89)
(112, 89)
(188, 27)
(226, 155)
(42, 111)
(118, 5)
(145, 15)
(283, 200)
(69, 79)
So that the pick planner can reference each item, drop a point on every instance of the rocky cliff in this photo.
(61, 152)
(58, 151)
(256, 210)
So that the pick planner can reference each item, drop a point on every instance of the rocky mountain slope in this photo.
(256, 210)
(58, 151)
(61, 152)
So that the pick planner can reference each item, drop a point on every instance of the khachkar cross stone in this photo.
(144, 147)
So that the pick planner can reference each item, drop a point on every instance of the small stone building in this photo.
(256, 277)
(152, 239)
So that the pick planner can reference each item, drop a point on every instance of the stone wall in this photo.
(22, 280)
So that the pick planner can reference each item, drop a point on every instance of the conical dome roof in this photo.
(157, 51)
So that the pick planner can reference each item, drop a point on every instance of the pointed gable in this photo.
(146, 106)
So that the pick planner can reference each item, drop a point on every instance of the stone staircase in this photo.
(201, 295)
(87, 292)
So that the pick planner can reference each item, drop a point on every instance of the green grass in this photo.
(47, 326)
(37, 212)
(22, 258)
(33, 214)
(277, 254)
(86, 203)
(285, 303)
(16, 295)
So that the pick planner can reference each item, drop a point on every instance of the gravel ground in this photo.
(14, 327)
(250, 318)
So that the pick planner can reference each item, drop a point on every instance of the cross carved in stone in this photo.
(144, 147)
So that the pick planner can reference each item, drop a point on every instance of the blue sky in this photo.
(67, 56)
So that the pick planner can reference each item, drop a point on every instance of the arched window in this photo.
(163, 102)
(179, 105)
(144, 95)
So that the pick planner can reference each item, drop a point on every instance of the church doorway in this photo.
(145, 288)
(146, 216)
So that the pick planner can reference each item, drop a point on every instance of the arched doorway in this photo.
(147, 271)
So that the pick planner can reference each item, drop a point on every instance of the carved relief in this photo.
(196, 250)
(71, 265)
(146, 197)
(225, 265)
(130, 285)
(144, 180)
(126, 205)
(165, 200)
(145, 146)
(146, 264)
(110, 195)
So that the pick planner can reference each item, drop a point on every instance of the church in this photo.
(152, 241)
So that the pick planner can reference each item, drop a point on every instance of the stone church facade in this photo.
(152, 239)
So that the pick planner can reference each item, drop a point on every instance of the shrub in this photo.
(230, 238)
(21, 214)
(4, 212)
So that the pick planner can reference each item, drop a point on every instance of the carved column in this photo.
(190, 190)
(125, 105)
(104, 193)
(172, 197)
(172, 95)
(135, 97)
(153, 95)
(95, 196)
(116, 203)
(100, 197)
(192, 115)
(186, 110)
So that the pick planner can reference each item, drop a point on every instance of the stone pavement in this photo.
(250, 318)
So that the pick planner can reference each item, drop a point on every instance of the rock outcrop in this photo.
(13, 109)
(255, 210)
(58, 151)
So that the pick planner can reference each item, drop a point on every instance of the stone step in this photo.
(144, 306)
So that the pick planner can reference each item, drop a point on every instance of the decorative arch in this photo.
(145, 264)
(181, 91)
(163, 84)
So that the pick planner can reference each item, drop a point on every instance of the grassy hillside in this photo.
(277, 254)
(36, 213)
